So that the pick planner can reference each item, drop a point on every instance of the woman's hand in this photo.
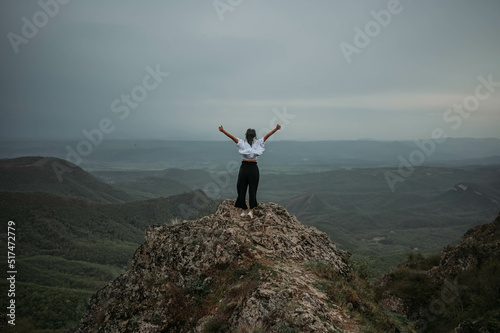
(227, 134)
(272, 132)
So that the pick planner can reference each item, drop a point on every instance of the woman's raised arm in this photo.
(227, 134)
(278, 127)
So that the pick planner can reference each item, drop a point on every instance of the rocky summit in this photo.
(225, 273)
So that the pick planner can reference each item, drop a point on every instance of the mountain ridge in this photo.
(56, 176)
(222, 273)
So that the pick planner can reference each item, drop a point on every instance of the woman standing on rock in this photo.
(248, 176)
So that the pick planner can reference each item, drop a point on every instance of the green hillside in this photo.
(189, 177)
(152, 187)
(456, 290)
(68, 248)
(56, 176)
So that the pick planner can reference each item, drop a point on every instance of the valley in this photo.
(78, 234)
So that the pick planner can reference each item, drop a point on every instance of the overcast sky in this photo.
(323, 69)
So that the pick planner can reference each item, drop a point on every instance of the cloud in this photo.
(264, 55)
(381, 102)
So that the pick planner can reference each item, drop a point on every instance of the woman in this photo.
(248, 176)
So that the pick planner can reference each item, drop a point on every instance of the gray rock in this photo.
(222, 273)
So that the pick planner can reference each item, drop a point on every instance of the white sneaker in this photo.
(243, 213)
(250, 215)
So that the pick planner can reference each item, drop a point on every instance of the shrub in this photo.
(215, 325)
(285, 328)
(356, 294)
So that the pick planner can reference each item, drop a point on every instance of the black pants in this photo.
(247, 178)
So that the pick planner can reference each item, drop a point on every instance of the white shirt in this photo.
(251, 152)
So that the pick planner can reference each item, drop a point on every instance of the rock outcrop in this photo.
(477, 245)
(456, 291)
(223, 273)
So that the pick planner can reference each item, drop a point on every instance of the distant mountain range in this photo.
(470, 194)
(280, 156)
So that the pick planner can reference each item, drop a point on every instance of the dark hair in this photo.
(250, 135)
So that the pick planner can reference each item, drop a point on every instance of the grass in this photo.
(48, 308)
(356, 296)
(286, 328)
(215, 325)
(214, 294)
(53, 271)
(471, 295)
